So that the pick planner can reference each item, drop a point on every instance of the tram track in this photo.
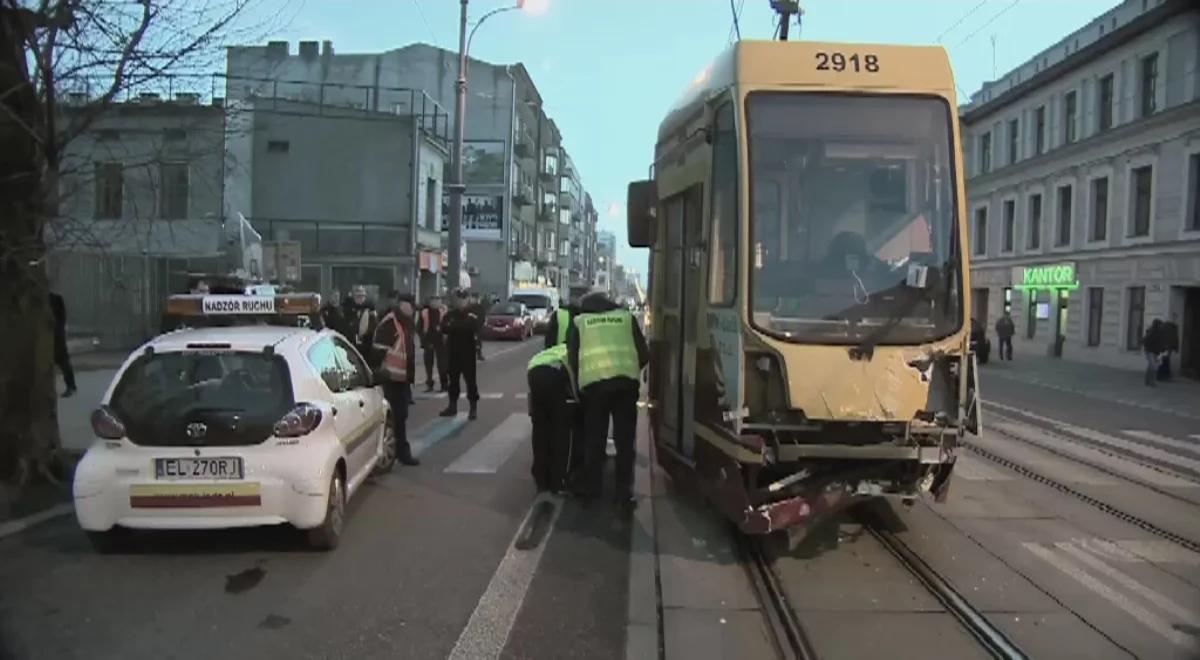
(788, 635)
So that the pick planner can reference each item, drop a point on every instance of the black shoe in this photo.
(473, 413)
(69, 393)
(428, 387)
(450, 411)
(409, 460)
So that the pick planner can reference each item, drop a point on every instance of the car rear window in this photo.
(505, 309)
(203, 398)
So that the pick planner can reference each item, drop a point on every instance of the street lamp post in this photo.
(459, 186)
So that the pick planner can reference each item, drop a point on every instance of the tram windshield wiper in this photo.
(865, 349)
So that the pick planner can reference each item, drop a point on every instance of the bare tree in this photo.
(106, 48)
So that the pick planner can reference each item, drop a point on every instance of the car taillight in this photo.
(299, 421)
(106, 424)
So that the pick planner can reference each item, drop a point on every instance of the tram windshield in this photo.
(853, 234)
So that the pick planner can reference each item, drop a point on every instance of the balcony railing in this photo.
(549, 213)
(337, 238)
(523, 195)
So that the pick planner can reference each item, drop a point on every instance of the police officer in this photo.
(477, 308)
(551, 393)
(393, 344)
(429, 328)
(607, 351)
(460, 328)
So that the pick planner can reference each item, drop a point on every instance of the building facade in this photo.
(512, 159)
(1083, 182)
(606, 255)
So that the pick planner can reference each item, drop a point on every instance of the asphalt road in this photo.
(425, 568)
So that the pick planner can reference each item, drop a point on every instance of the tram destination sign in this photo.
(1046, 276)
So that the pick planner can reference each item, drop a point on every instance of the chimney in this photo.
(327, 48)
(148, 98)
(308, 50)
(187, 98)
(277, 49)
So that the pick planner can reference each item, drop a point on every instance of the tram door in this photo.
(690, 310)
(670, 325)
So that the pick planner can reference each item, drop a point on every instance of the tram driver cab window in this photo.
(852, 217)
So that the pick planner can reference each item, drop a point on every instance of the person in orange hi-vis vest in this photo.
(394, 341)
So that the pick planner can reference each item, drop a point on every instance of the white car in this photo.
(234, 427)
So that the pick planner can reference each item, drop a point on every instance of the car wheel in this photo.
(107, 543)
(387, 458)
(326, 536)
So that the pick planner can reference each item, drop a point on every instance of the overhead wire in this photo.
(960, 20)
(736, 28)
(425, 20)
(979, 29)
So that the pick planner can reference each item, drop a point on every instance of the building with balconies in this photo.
(1083, 188)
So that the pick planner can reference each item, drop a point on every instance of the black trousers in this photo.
(615, 400)
(552, 418)
(62, 358)
(398, 396)
(435, 355)
(1005, 345)
(461, 366)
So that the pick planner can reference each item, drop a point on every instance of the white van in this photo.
(541, 303)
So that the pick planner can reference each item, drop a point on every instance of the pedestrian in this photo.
(607, 352)
(1170, 337)
(1004, 332)
(551, 399)
(477, 308)
(460, 330)
(331, 313)
(560, 323)
(433, 344)
(392, 341)
(1153, 345)
(62, 356)
(360, 319)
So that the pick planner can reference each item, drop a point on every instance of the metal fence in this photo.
(120, 299)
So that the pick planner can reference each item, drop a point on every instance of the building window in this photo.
(1039, 133)
(1134, 324)
(1100, 209)
(1035, 222)
(109, 190)
(1031, 313)
(1142, 181)
(1069, 117)
(1149, 89)
(1014, 135)
(980, 231)
(432, 197)
(1095, 315)
(1106, 102)
(1193, 194)
(1064, 216)
(1010, 212)
(722, 276)
(173, 196)
(278, 146)
(985, 153)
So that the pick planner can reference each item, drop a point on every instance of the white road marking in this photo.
(490, 624)
(522, 395)
(1162, 602)
(436, 431)
(1195, 436)
(972, 469)
(495, 448)
(1135, 610)
(1036, 458)
(1161, 439)
(510, 349)
(21, 524)
(1105, 399)
(1075, 448)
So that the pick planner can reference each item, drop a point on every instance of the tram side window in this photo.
(724, 207)
(674, 217)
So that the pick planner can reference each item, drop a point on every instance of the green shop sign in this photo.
(1050, 276)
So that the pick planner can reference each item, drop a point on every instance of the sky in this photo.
(608, 70)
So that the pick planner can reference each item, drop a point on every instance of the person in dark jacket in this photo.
(62, 357)
(477, 308)
(1005, 329)
(433, 344)
(361, 320)
(393, 344)
(606, 352)
(1170, 339)
(331, 313)
(1153, 345)
(460, 328)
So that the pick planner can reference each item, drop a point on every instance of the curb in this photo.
(642, 630)
(12, 527)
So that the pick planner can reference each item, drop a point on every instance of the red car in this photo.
(508, 320)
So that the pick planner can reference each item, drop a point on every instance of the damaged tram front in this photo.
(809, 280)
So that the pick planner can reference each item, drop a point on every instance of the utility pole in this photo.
(458, 186)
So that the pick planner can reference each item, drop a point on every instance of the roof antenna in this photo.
(785, 9)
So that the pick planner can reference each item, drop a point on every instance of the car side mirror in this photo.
(640, 205)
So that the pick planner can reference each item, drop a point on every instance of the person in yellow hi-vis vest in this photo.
(560, 323)
(551, 395)
(606, 352)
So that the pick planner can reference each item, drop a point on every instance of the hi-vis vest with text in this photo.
(395, 360)
(563, 319)
(606, 348)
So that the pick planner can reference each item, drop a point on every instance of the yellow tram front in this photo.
(809, 279)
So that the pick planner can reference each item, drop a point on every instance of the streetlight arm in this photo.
(498, 10)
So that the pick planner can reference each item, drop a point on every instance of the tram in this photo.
(808, 283)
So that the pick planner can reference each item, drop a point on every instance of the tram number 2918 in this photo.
(841, 62)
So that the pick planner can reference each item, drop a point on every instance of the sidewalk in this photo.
(1180, 396)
